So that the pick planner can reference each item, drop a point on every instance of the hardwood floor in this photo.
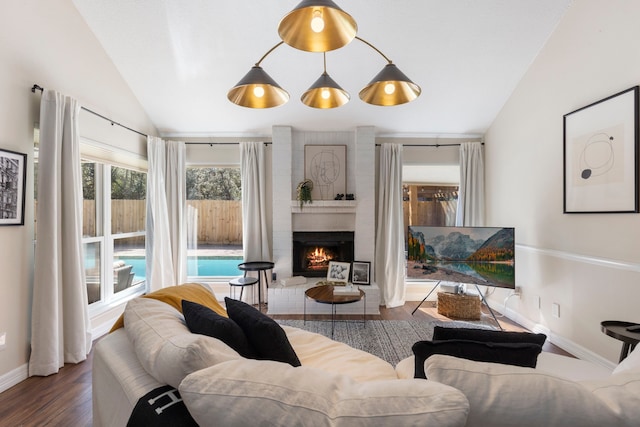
(64, 399)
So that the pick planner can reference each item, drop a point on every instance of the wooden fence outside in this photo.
(219, 221)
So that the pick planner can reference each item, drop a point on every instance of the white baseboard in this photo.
(557, 340)
(14, 377)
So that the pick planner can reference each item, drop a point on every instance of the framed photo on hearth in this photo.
(13, 174)
(338, 272)
(360, 273)
(601, 156)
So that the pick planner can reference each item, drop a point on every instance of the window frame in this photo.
(107, 239)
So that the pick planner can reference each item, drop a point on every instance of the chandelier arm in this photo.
(269, 51)
(374, 48)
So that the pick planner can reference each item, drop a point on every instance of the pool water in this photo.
(202, 266)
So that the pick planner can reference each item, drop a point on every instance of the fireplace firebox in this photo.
(313, 250)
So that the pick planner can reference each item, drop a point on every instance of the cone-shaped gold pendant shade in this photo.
(325, 93)
(257, 90)
(317, 26)
(390, 87)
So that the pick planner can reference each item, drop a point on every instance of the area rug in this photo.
(390, 340)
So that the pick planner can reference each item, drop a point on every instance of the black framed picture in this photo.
(13, 174)
(601, 156)
(360, 272)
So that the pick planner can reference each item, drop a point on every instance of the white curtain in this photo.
(160, 272)
(471, 195)
(255, 237)
(390, 258)
(176, 175)
(60, 326)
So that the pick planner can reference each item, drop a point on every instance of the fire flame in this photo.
(318, 258)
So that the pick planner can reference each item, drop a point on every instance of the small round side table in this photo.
(259, 266)
(241, 282)
(618, 330)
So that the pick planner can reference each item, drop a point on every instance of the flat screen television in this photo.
(472, 255)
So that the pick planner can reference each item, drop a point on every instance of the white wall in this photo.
(47, 42)
(589, 264)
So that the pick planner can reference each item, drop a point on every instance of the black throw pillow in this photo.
(264, 334)
(204, 321)
(442, 333)
(518, 354)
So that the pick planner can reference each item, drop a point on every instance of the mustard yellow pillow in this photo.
(173, 295)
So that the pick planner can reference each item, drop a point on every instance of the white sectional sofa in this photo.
(337, 385)
(560, 391)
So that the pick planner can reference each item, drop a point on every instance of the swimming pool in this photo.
(206, 266)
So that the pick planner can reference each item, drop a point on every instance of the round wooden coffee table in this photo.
(324, 295)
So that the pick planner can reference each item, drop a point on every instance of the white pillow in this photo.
(166, 348)
(266, 393)
(630, 364)
(505, 395)
(621, 393)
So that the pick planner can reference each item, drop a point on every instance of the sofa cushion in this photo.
(519, 354)
(317, 351)
(441, 333)
(202, 320)
(267, 393)
(504, 395)
(630, 364)
(264, 334)
(621, 393)
(166, 348)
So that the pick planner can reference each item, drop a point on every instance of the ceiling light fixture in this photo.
(317, 26)
(325, 92)
(321, 26)
(257, 89)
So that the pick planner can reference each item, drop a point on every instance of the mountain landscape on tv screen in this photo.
(475, 255)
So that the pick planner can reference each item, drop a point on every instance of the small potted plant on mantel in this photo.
(304, 192)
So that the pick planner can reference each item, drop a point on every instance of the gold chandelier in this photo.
(321, 26)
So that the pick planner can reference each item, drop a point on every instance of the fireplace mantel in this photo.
(325, 206)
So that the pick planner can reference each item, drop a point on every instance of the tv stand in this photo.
(482, 298)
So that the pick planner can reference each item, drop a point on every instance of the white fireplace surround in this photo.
(321, 215)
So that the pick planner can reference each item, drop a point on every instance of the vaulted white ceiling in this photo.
(181, 57)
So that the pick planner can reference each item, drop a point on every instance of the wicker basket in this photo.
(457, 306)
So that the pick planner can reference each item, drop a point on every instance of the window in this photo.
(114, 215)
(429, 195)
(214, 221)
(432, 205)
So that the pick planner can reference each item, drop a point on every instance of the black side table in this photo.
(618, 330)
(259, 266)
(241, 282)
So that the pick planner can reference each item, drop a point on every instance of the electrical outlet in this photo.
(3, 340)
(555, 310)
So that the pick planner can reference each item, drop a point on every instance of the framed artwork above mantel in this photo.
(601, 156)
(326, 167)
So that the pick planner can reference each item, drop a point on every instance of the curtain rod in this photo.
(113, 122)
(211, 144)
(430, 145)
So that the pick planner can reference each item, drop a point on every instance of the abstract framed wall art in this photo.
(601, 156)
(13, 174)
(326, 167)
